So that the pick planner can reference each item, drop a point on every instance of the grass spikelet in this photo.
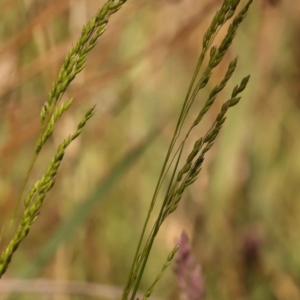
(76, 58)
(58, 111)
(216, 54)
(191, 169)
(37, 194)
(183, 177)
(159, 276)
(216, 90)
(51, 112)
(73, 64)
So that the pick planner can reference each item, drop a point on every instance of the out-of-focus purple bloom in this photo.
(251, 248)
(188, 272)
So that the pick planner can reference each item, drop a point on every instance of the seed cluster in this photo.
(74, 63)
(188, 173)
(37, 194)
(51, 112)
(160, 275)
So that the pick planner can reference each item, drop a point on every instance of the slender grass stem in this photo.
(160, 179)
(31, 165)
(51, 112)
(192, 167)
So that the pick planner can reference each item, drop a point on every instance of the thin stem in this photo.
(33, 160)
(162, 173)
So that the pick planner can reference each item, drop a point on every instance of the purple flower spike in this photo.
(188, 272)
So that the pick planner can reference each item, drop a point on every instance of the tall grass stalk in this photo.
(188, 174)
(51, 112)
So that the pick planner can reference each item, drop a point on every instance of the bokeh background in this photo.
(242, 215)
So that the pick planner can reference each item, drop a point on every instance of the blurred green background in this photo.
(242, 215)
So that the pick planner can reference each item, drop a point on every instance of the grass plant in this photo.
(178, 172)
(191, 168)
(51, 112)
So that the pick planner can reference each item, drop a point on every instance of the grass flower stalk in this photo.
(51, 112)
(189, 172)
(73, 64)
(160, 275)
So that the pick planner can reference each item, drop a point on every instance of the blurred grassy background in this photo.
(243, 212)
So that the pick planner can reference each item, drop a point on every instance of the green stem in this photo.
(33, 160)
(162, 173)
